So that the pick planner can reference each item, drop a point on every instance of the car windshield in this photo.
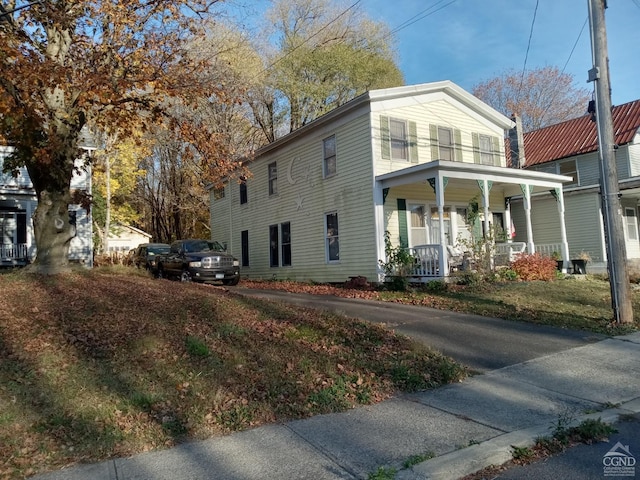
(158, 250)
(216, 247)
(197, 246)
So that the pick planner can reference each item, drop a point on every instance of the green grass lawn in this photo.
(109, 362)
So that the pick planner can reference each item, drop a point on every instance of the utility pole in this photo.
(609, 187)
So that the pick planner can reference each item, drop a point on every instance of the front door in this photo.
(417, 222)
(435, 226)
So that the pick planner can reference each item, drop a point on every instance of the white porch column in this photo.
(563, 229)
(31, 243)
(527, 213)
(378, 200)
(485, 204)
(443, 263)
(507, 220)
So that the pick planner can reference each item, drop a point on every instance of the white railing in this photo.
(427, 260)
(506, 253)
(549, 249)
(13, 251)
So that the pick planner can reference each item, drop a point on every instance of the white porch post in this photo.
(507, 220)
(527, 213)
(442, 258)
(563, 229)
(378, 199)
(485, 204)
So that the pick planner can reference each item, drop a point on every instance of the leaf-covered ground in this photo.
(583, 304)
(105, 363)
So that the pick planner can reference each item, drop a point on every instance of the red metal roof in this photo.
(579, 136)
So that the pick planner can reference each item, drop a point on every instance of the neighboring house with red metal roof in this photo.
(571, 148)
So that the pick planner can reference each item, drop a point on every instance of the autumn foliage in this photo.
(100, 364)
(535, 267)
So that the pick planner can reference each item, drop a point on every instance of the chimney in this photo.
(516, 142)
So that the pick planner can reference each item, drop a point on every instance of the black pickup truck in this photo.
(199, 261)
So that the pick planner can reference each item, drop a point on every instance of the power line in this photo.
(421, 15)
(526, 57)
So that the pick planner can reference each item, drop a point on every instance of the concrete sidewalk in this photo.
(464, 427)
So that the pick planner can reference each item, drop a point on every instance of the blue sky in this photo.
(469, 41)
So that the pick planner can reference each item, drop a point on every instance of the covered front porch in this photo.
(437, 210)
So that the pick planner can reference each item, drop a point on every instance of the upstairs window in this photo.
(445, 144)
(273, 178)
(329, 155)
(243, 191)
(399, 140)
(486, 149)
(218, 193)
(569, 169)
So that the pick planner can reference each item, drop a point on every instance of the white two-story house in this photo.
(18, 201)
(409, 161)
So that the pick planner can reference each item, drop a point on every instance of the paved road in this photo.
(481, 343)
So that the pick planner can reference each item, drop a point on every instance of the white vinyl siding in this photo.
(303, 199)
(582, 219)
(427, 117)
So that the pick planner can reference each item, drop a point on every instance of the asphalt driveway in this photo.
(481, 343)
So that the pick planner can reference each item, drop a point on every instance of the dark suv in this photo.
(146, 254)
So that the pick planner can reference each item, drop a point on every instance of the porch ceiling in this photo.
(509, 178)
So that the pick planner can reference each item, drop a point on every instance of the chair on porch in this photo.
(456, 258)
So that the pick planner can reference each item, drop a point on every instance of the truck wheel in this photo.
(233, 281)
(185, 276)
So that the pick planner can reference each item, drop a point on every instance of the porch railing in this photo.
(427, 260)
(506, 253)
(549, 249)
(13, 251)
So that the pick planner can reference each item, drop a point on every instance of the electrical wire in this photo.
(526, 57)
(420, 15)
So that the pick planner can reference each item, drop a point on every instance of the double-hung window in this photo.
(631, 220)
(569, 169)
(274, 246)
(329, 156)
(486, 149)
(218, 193)
(285, 247)
(244, 240)
(280, 245)
(399, 139)
(332, 238)
(445, 144)
(243, 191)
(273, 178)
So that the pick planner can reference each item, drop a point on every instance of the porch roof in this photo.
(515, 177)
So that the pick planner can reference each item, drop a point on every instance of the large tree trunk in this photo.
(53, 232)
